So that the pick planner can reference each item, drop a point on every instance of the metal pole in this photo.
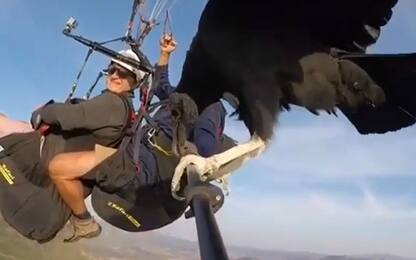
(211, 245)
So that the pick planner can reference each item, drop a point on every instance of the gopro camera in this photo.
(70, 25)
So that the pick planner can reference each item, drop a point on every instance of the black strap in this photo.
(125, 131)
(135, 135)
(75, 84)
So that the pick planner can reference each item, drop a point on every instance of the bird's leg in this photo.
(219, 165)
(233, 158)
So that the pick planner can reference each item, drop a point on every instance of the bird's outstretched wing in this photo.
(255, 49)
(396, 74)
(350, 25)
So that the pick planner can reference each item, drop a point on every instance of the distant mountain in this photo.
(15, 247)
(383, 257)
(119, 245)
(364, 257)
(341, 257)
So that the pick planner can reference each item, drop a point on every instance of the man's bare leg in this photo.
(65, 171)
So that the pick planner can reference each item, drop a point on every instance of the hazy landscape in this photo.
(148, 246)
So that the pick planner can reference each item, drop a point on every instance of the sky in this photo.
(319, 187)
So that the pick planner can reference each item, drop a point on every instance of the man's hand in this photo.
(36, 119)
(167, 44)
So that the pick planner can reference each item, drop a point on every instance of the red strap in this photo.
(44, 129)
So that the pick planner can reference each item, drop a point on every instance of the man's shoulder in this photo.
(112, 99)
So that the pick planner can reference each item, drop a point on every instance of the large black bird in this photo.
(311, 53)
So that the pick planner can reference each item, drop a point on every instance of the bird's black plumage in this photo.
(271, 54)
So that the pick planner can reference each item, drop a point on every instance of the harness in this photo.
(130, 119)
(134, 135)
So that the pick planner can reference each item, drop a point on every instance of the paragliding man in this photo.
(140, 172)
(72, 127)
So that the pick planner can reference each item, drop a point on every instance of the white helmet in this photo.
(130, 54)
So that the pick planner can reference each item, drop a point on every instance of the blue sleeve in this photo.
(208, 130)
(163, 88)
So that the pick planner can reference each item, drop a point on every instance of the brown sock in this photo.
(84, 216)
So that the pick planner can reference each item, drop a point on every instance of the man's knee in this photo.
(55, 167)
(214, 113)
(213, 108)
(71, 165)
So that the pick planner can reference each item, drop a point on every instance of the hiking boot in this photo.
(83, 228)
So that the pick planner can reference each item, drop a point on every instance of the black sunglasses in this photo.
(121, 72)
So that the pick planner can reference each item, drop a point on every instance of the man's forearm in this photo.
(164, 59)
(163, 88)
(86, 115)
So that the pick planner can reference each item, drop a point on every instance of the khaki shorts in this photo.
(102, 153)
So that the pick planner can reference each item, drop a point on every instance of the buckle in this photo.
(150, 135)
